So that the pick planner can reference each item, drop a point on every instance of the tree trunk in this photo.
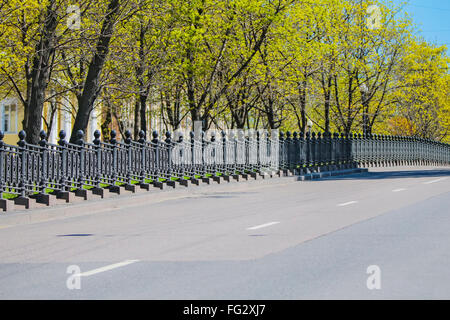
(137, 114)
(106, 123)
(327, 103)
(91, 86)
(143, 111)
(40, 75)
(302, 95)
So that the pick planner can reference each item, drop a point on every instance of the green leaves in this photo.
(255, 63)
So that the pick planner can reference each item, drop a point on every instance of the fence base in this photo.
(131, 187)
(205, 180)
(195, 181)
(113, 189)
(171, 183)
(66, 196)
(145, 186)
(103, 193)
(85, 194)
(158, 185)
(6, 205)
(47, 199)
(24, 201)
(183, 182)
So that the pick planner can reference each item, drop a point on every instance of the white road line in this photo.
(263, 225)
(433, 181)
(347, 203)
(107, 268)
(398, 190)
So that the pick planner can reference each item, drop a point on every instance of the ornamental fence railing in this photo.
(64, 170)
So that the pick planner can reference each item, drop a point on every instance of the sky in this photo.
(432, 18)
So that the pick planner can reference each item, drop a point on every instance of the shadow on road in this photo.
(393, 175)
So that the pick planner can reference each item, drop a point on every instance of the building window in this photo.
(9, 118)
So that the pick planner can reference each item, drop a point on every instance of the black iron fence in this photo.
(63, 170)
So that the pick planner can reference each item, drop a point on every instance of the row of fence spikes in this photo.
(128, 139)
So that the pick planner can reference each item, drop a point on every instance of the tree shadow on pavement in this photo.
(392, 175)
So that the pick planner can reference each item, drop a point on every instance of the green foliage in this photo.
(239, 64)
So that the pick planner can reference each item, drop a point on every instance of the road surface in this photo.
(279, 239)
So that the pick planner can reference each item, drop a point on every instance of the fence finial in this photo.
(155, 136)
(22, 136)
(127, 139)
(62, 136)
(97, 135)
(141, 136)
(168, 137)
(113, 137)
(43, 136)
(80, 135)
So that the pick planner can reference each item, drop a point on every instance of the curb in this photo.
(99, 205)
(319, 175)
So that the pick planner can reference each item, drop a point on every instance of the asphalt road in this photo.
(280, 239)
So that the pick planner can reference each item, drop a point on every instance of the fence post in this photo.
(65, 190)
(181, 166)
(296, 153)
(42, 196)
(98, 190)
(314, 157)
(225, 172)
(259, 161)
(282, 154)
(302, 153)
(5, 205)
(333, 157)
(23, 198)
(193, 165)
(168, 144)
(308, 152)
(353, 151)
(80, 143)
(319, 153)
(141, 141)
(347, 146)
(2, 166)
(129, 165)
(80, 191)
(329, 151)
(113, 142)
(98, 151)
(288, 152)
(157, 169)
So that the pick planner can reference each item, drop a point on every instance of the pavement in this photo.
(270, 239)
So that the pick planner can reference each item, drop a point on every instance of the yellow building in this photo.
(11, 116)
